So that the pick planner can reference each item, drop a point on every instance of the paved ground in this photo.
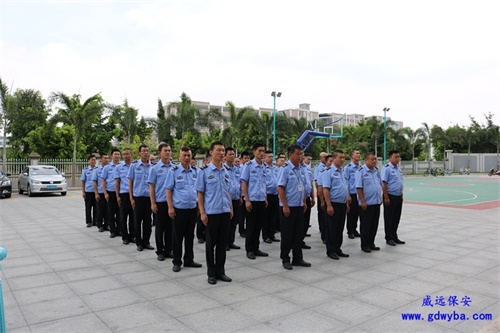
(60, 276)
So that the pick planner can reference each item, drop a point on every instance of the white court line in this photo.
(474, 196)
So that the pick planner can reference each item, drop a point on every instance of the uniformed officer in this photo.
(310, 201)
(322, 200)
(272, 209)
(319, 192)
(182, 199)
(102, 218)
(235, 177)
(139, 198)
(88, 192)
(253, 181)
(352, 216)
(369, 187)
(392, 187)
(292, 194)
(336, 193)
(108, 187)
(158, 197)
(216, 211)
(123, 198)
(200, 227)
(242, 214)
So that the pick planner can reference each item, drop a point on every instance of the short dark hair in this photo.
(307, 155)
(245, 153)
(257, 146)
(352, 151)
(102, 154)
(127, 149)
(336, 152)
(392, 152)
(328, 156)
(90, 157)
(142, 146)
(216, 143)
(229, 149)
(292, 148)
(115, 149)
(185, 148)
(163, 144)
(281, 155)
(370, 153)
(268, 152)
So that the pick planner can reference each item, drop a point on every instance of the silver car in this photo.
(41, 179)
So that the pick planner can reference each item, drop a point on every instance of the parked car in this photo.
(41, 179)
(5, 185)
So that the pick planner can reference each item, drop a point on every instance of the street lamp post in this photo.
(274, 94)
(385, 133)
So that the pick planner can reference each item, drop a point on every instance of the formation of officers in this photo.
(121, 197)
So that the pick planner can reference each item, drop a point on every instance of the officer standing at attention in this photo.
(181, 199)
(108, 187)
(369, 187)
(158, 197)
(88, 192)
(216, 211)
(321, 198)
(392, 187)
(272, 209)
(292, 194)
(253, 181)
(102, 217)
(352, 215)
(320, 206)
(139, 198)
(123, 198)
(336, 192)
(310, 201)
(235, 177)
(244, 158)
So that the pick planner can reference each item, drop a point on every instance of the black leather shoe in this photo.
(169, 255)
(201, 240)
(343, 255)
(176, 268)
(234, 247)
(149, 247)
(333, 256)
(101, 229)
(192, 264)
(351, 236)
(357, 234)
(89, 225)
(374, 248)
(161, 257)
(224, 278)
(250, 255)
(133, 240)
(126, 242)
(306, 247)
(308, 235)
(274, 239)
(391, 242)
(287, 266)
(112, 235)
(268, 240)
(399, 241)
(139, 248)
(366, 249)
(259, 253)
(212, 280)
(301, 263)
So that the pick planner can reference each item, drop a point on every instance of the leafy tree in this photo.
(232, 126)
(427, 134)
(8, 105)
(184, 118)
(52, 141)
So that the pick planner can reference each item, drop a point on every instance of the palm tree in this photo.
(414, 138)
(81, 116)
(7, 104)
(184, 118)
(376, 129)
(427, 136)
(237, 118)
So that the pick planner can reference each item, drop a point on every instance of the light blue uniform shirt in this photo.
(309, 178)
(319, 177)
(139, 173)
(271, 179)
(336, 180)
(255, 176)
(108, 174)
(393, 176)
(181, 182)
(371, 183)
(214, 184)
(158, 176)
(293, 179)
(317, 169)
(87, 178)
(235, 177)
(121, 172)
(350, 171)
(96, 177)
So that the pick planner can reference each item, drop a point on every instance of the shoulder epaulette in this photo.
(327, 168)
(204, 167)
(134, 161)
(248, 163)
(324, 170)
(227, 167)
(375, 168)
(193, 167)
(175, 167)
(286, 164)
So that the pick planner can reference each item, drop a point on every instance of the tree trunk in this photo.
(73, 171)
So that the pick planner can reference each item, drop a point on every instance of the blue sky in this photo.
(429, 61)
